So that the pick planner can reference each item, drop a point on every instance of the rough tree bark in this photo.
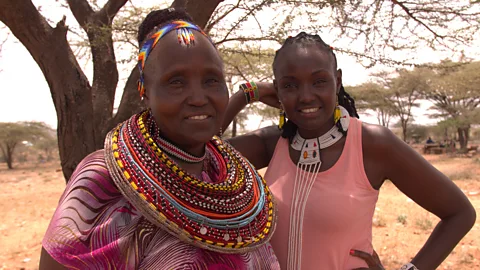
(7, 153)
(463, 136)
(70, 89)
(84, 111)
(404, 129)
(234, 127)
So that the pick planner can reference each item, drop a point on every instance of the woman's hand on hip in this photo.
(372, 260)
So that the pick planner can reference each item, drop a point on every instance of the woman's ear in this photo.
(275, 86)
(338, 78)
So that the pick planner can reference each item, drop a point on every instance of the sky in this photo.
(25, 95)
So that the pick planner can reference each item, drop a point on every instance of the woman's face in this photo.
(308, 83)
(186, 89)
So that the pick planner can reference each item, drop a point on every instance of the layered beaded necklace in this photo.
(306, 173)
(235, 214)
(171, 149)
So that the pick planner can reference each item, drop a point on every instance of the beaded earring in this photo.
(337, 114)
(281, 123)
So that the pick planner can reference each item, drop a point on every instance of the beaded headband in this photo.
(185, 37)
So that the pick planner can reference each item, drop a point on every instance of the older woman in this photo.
(165, 193)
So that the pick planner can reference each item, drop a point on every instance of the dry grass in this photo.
(30, 194)
(408, 225)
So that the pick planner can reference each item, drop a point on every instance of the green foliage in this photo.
(392, 95)
(453, 88)
(402, 219)
(424, 224)
(444, 129)
(12, 135)
(374, 97)
(241, 67)
(455, 94)
(48, 145)
(418, 132)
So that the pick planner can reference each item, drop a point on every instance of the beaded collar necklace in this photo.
(310, 148)
(234, 215)
(169, 147)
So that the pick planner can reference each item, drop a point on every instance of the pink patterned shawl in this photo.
(95, 227)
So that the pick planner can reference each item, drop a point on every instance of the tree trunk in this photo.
(69, 87)
(463, 137)
(84, 112)
(234, 127)
(130, 103)
(201, 11)
(9, 159)
(466, 132)
(8, 154)
(404, 130)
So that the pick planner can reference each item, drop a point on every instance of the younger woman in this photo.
(325, 168)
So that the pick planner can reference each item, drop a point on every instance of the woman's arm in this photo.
(425, 185)
(256, 146)
(238, 102)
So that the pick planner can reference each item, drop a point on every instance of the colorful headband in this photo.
(185, 36)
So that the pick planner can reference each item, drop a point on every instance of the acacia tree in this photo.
(250, 63)
(373, 97)
(398, 93)
(47, 144)
(85, 111)
(455, 93)
(406, 92)
(393, 95)
(13, 135)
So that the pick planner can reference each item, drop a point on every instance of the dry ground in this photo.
(30, 194)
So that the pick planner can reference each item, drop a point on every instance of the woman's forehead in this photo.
(303, 57)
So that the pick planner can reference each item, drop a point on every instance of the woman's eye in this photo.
(175, 82)
(212, 80)
(320, 81)
(287, 85)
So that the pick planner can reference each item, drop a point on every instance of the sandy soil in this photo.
(30, 194)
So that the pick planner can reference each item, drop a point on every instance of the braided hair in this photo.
(160, 17)
(344, 99)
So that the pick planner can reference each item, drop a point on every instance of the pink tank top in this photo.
(339, 208)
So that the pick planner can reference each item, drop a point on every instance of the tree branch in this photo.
(82, 12)
(416, 19)
(69, 87)
(211, 24)
(130, 102)
(97, 25)
(199, 10)
(244, 39)
(111, 9)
